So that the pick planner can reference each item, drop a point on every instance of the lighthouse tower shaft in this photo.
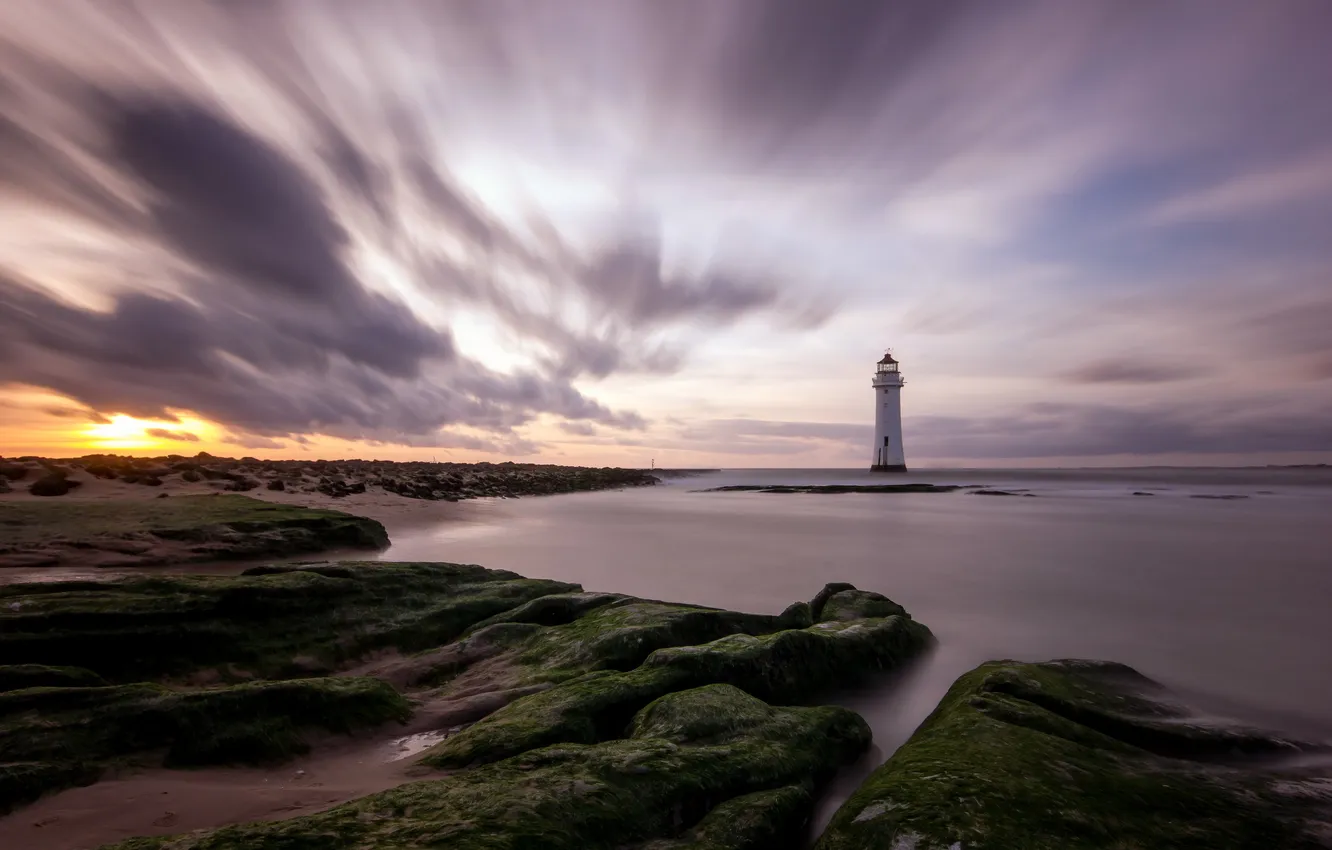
(889, 454)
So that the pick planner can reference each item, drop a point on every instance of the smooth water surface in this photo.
(1226, 600)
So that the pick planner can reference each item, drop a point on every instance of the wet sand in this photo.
(391, 509)
(165, 802)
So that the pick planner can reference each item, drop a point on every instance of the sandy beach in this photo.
(375, 503)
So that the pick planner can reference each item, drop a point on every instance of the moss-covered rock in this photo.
(764, 820)
(15, 677)
(1075, 755)
(857, 605)
(176, 530)
(594, 707)
(53, 737)
(620, 635)
(788, 666)
(700, 714)
(269, 622)
(624, 793)
(793, 665)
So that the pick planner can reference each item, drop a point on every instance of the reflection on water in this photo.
(414, 745)
(1224, 600)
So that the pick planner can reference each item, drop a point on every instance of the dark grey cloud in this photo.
(1129, 370)
(257, 316)
(166, 434)
(792, 65)
(75, 413)
(271, 331)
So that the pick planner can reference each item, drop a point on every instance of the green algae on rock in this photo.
(1073, 754)
(15, 677)
(764, 820)
(268, 623)
(51, 737)
(181, 529)
(606, 686)
(784, 666)
(725, 790)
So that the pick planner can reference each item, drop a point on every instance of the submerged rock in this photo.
(710, 767)
(1075, 754)
(830, 489)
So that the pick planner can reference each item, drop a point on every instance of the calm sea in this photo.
(1229, 601)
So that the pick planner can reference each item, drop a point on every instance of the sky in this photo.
(613, 232)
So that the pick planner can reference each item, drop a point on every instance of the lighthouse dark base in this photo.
(895, 467)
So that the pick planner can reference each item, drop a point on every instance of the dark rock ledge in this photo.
(588, 720)
(1068, 755)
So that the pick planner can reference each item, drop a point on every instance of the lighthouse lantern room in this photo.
(888, 382)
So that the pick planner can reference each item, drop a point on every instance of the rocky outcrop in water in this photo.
(829, 489)
(606, 720)
(1069, 755)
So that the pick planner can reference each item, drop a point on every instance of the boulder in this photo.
(784, 666)
(52, 484)
(1069, 755)
(858, 605)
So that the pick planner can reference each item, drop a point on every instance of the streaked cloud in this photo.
(521, 228)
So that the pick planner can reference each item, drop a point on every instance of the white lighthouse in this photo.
(888, 453)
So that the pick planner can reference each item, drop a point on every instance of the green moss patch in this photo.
(271, 622)
(788, 666)
(178, 529)
(52, 737)
(612, 795)
(1072, 755)
(620, 635)
(764, 820)
(15, 677)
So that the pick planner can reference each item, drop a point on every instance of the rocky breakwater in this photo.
(127, 532)
(1067, 755)
(569, 719)
(335, 479)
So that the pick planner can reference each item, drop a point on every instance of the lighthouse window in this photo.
(885, 442)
